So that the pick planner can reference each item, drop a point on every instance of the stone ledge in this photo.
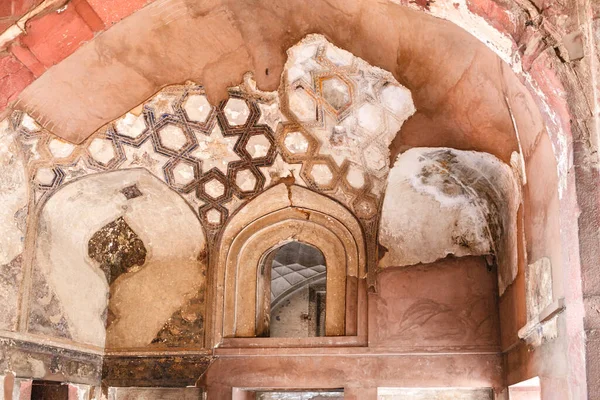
(149, 371)
(543, 328)
(41, 361)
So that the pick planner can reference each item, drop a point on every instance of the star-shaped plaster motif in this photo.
(270, 114)
(76, 170)
(146, 157)
(367, 83)
(304, 63)
(343, 141)
(216, 150)
(162, 104)
(280, 169)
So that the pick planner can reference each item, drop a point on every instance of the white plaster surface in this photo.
(13, 195)
(131, 125)
(296, 142)
(245, 180)
(197, 107)
(171, 234)
(173, 137)
(444, 201)
(60, 149)
(102, 150)
(183, 173)
(258, 146)
(236, 112)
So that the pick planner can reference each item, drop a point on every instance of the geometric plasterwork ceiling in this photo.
(329, 127)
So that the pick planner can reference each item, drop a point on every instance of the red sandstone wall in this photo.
(358, 372)
(447, 309)
(449, 304)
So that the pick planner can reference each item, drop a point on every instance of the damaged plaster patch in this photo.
(13, 196)
(353, 117)
(538, 284)
(186, 325)
(11, 276)
(542, 307)
(117, 248)
(46, 315)
(161, 233)
(442, 202)
(557, 132)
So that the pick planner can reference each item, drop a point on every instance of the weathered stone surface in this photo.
(446, 99)
(435, 394)
(112, 11)
(449, 304)
(11, 275)
(15, 78)
(260, 368)
(188, 393)
(40, 361)
(305, 395)
(56, 37)
(165, 371)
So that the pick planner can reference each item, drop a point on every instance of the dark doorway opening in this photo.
(48, 390)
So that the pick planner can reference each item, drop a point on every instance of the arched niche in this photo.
(292, 278)
(70, 288)
(273, 218)
(442, 201)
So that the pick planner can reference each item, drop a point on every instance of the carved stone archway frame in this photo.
(278, 215)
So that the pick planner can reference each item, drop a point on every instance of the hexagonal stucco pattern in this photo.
(329, 127)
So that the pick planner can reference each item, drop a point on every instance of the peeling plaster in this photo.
(171, 265)
(505, 47)
(442, 202)
(13, 196)
(559, 138)
(458, 12)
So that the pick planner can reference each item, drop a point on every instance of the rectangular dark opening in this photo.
(49, 390)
